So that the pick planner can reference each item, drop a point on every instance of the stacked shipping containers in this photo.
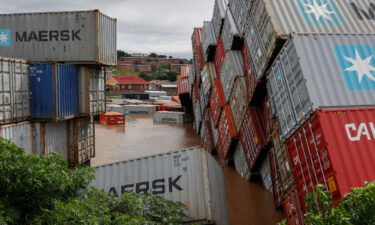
(299, 79)
(60, 88)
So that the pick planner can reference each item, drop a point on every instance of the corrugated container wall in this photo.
(21, 134)
(297, 86)
(54, 91)
(209, 41)
(217, 101)
(231, 36)
(271, 20)
(240, 162)
(329, 143)
(82, 37)
(218, 16)
(14, 90)
(265, 174)
(232, 68)
(206, 81)
(81, 139)
(237, 101)
(241, 11)
(91, 90)
(190, 176)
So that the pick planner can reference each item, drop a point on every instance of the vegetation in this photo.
(357, 207)
(121, 55)
(42, 190)
(117, 72)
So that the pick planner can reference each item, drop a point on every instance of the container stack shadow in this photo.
(49, 98)
(285, 95)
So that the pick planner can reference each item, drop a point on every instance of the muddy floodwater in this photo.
(140, 137)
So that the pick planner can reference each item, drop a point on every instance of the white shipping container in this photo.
(81, 37)
(91, 90)
(321, 70)
(14, 90)
(271, 20)
(191, 176)
(19, 133)
(172, 117)
(240, 162)
(238, 102)
(232, 68)
(140, 109)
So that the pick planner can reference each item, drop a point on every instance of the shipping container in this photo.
(231, 36)
(217, 101)
(192, 175)
(219, 56)
(215, 132)
(54, 91)
(293, 208)
(330, 142)
(227, 131)
(14, 90)
(21, 134)
(249, 73)
(209, 41)
(197, 113)
(273, 20)
(81, 139)
(265, 174)
(241, 11)
(277, 185)
(81, 37)
(207, 80)
(218, 16)
(198, 49)
(252, 136)
(232, 68)
(91, 90)
(298, 86)
(172, 117)
(240, 162)
(140, 109)
(112, 118)
(237, 101)
(182, 85)
(115, 108)
(203, 99)
(51, 137)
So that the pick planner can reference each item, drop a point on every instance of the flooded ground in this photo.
(139, 138)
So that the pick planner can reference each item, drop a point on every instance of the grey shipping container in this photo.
(215, 132)
(140, 109)
(91, 90)
(81, 37)
(81, 140)
(265, 174)
(241, 11)
(237, 101)
(209, 41)
(232, 68)
(319, 70)
(231, 36)
(191, 176)
(271, 20)
(14, 90)
(21, 134)
(172, 117)
(206, 80)
(218, 17)
(240, 162)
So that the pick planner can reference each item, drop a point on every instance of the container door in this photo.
(56, 138)
(20, 90)
(5, 92)
(67, 78)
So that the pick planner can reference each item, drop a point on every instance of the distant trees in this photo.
(153, 55)
(121, 55)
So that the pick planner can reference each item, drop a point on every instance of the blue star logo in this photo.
(5, 37)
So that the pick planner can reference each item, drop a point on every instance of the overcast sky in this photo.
(161, 26)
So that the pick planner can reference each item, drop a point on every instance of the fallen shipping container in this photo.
(240, 162)
(271, 20)
(249, 73)
(297, 86)
(219, 56)
(14, 90)
(227, 131)
(277, 185)
(207, 80)
(172, 117)
(238, 102)
(182, 85)
(140, 109)
(209, 41)
(81, 37)
(217, 101)
(81, 139)
(231, 36)
(91, 90)
(330, 142)
(215, 132)
(218, 16)
(198, 53)
(21, 134)
(232, 68)
(112, 119)
(54, 91)
(191, 176)
(293, 208)
(265, 174)
(241, 11)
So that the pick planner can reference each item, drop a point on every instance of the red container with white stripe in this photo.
(217, 101)
(334, 148)
(227, 131)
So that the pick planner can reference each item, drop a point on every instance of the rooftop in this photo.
(129, 79)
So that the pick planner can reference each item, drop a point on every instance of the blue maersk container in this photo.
(54, 91)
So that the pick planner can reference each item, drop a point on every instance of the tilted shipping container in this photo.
(330, 142)
(227, 132)
(293, 208)
(209, 41)
(241, 12)
(14, 90)
(54, 91)
(21, 134)
(217, 101)
(272, 20)
(218, 16)
(240, 162)
(276, 179)
(207, 80)
(249, 73)
(231, 36)
(238, 102)
(191, 176)
(232, 68)
(81, 37)
(91, 90)
(297, 86)
(265, 174)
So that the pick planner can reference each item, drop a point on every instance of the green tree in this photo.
(162, 56)
(153, 55)
(42, 190)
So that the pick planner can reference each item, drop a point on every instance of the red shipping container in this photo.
(266, 119)
(112, 118)
(182, 85)
(227, 130)
(219, 56)
(197, 47)
(276, 179)
(217, 101)
(334, 148)
(293, 208)
(251, 135)
(250, 74)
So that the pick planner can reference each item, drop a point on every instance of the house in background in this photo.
(126, 84)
